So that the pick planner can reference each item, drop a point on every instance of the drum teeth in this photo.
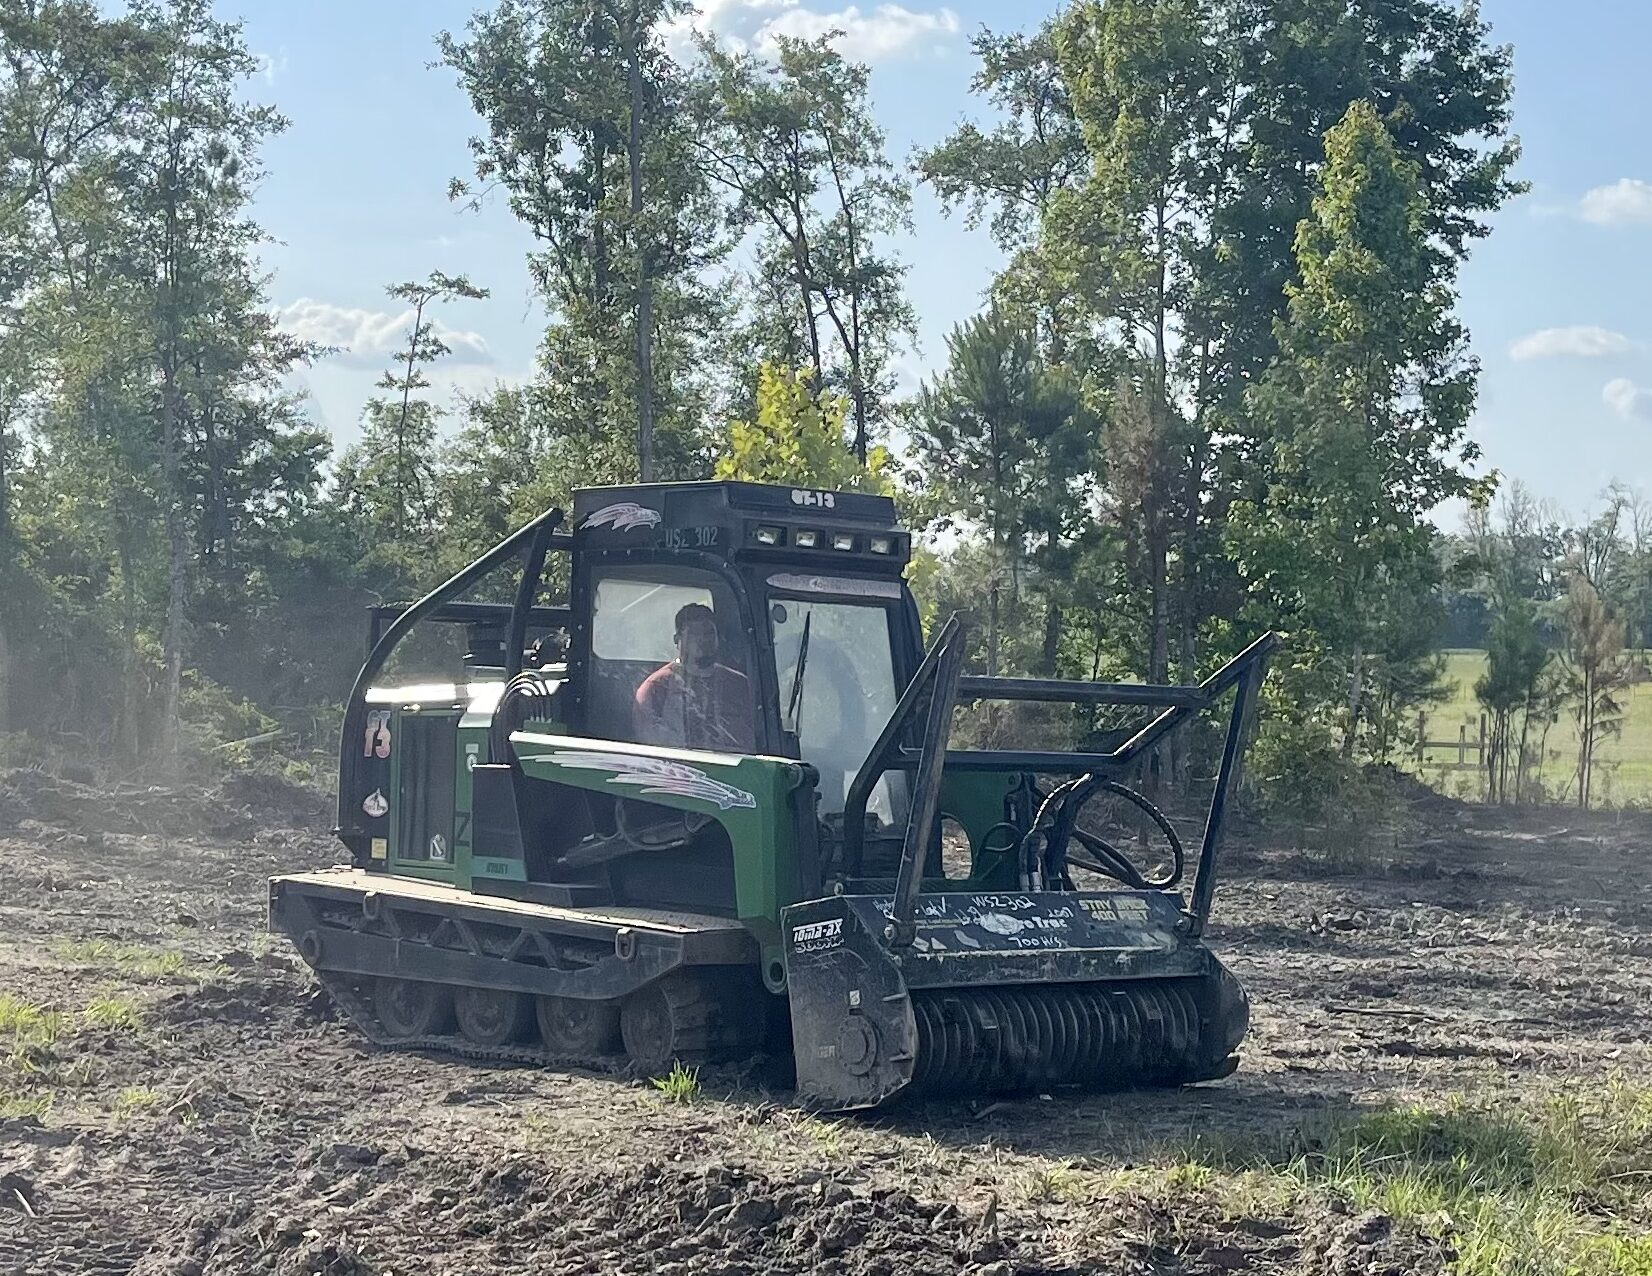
(1087, 1036)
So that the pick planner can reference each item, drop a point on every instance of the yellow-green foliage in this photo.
(798, 440)
(134, 959)
(135, 1099)
(21, 1103)
(25, 1026)
(680, 1085)
(114, 1012)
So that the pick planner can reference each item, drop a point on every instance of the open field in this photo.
(1623, 772)
(1449, 1064)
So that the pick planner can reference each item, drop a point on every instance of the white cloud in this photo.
(1628, 400)
(1583, 340)
(271, 65)
(449, 381)
(877, 32)
(1626, 200)
(366, 338)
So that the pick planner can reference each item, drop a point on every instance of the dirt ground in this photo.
(201, 1110)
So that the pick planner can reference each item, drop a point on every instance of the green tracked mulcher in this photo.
(694, 810)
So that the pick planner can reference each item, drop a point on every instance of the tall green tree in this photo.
(388, 480)
(1003, 437)
(589, 135)
(1361, 420)
(188, 177)
(1598, 672)
(1008, 173)
(1160, 271)
(795, 143)
(141, 335)
(1153, 96)
(1510, 690)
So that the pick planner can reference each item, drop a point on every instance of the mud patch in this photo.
(358, 1211)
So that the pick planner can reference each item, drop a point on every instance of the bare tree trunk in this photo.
(8, 588)
(992, 624)
(1586, 744)
(177, 563)
(1520, 758)
(1052, 641)
(401, 421)
(645, 275)
(131, 718)
(1356, 701)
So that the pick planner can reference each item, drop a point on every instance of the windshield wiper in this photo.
(794, 701)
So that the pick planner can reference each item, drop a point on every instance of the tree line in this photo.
(1563, 609)
(1217, 387)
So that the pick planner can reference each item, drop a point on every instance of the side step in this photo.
(556, 894)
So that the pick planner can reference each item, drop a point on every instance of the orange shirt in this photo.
(712, 711)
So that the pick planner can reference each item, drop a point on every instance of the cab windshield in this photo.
(837, 690)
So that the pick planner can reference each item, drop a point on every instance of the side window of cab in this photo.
(671, 662)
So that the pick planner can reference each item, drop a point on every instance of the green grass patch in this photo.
(15, 1104)
(136, 960)
(1555, 1192)
(27, 1026)
(680, 1085)
(113, 1012)
(1057, 1181)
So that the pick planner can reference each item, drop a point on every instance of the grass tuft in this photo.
(680, 1085)
(26, 1026)
(113, 1012)
(1047, 1184)
(136, 960)
(134, 1099)
(16, 1104)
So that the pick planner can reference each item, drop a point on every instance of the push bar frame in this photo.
(939, 674)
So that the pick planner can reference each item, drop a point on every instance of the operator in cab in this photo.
(695, 701)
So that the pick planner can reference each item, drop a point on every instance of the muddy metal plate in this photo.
(1010, 937)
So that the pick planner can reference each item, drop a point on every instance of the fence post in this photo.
(1422, 736)
(1462, 743)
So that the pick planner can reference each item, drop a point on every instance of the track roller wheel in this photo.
(690, 1017)
(492, 1016)
(413, 1008)
(579, 1026)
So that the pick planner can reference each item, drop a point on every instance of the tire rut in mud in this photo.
(522, 1215)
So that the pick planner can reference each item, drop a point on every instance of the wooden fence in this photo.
(1463, 745)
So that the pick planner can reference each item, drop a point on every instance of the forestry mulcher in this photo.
(694, 813)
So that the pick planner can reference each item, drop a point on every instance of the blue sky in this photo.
(1556, 299)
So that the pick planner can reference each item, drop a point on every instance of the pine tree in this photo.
(1360, 424)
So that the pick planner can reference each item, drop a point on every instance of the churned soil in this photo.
(192, 1104)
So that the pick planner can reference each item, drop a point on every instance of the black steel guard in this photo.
(536, 538)
(940, 674)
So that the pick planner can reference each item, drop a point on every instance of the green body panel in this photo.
(976, 801)
(751, 797)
